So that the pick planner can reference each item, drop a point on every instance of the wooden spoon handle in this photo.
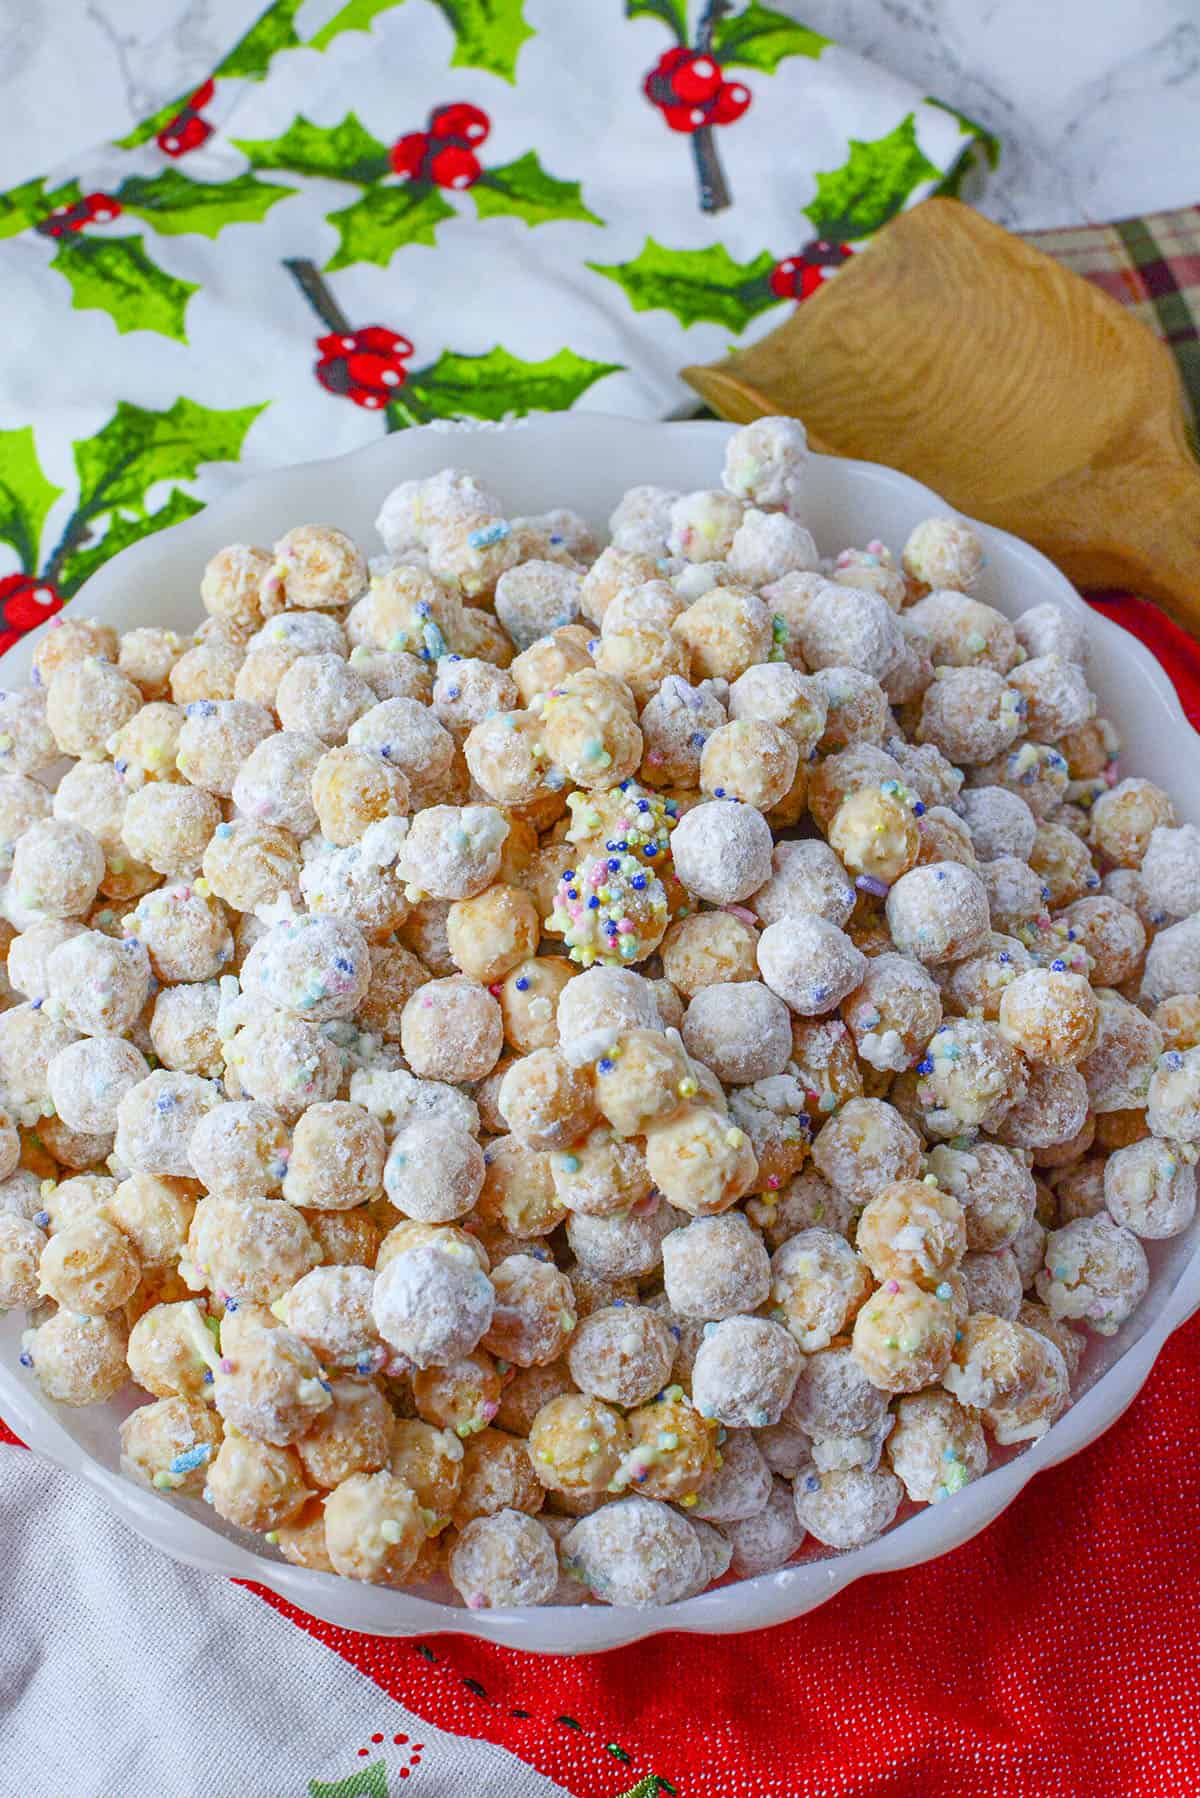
(1154, 548)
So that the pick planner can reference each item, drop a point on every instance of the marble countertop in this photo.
(1097, 101)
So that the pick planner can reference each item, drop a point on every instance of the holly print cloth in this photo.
(422, 209)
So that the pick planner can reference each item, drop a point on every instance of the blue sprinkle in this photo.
(41, 1219)
(925, 1067)
(1058, 967)
(121, 766)
(643, 805)
(614, 866)
(26, 1360)
(422, 608)
(605, 1065)
(718, 792)
(651, 850)
(454, 658)
(812, 1483)
(491, 533)
(1004, 956)
(699, 739)
(568, 873)
(191, 1458)
(522, 983)
(453, 692)
(939, 874)
(208, 1376)
(344, 965)
(593, 903)
(231, 1304)
(572, 892)
(919, 809)
(1045, 893)
(638, 882)
(36, 1004)
(165, 1102)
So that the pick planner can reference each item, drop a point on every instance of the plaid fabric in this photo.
(1150, 264)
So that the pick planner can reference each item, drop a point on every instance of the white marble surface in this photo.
(1097, 101)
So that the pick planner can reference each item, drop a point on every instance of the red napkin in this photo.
(1055, 1656)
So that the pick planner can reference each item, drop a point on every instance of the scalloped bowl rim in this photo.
(771, 1598)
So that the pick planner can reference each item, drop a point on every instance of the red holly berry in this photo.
(101, 208)
(731, 100)
(185, 132)
(696, 79)
(26, 601)
(407, 155)
(685, 118)
(365, 366)
(797, 276)
(459, 123)
(93, 209)
(199, 100)
(454, 167)
(689, 91)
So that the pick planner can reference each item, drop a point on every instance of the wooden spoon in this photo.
(1017, 390)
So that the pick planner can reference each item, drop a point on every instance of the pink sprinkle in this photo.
(892, 1286)
(476, 1601)
(626, 926)
(772, 1181)
(225, 1364)
(598, 875)
(427, 1004)
(655, 757)
(740, 912)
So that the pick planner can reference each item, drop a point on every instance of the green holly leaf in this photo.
(174, 203)
(523, 189)
(115, 275)
(384, 220)
(345, 152)
(367, 1782)
(139, 446)
(272, 31)
(26, 496)
(696, 285)
(872, 186)
(141, 134)
(494, 385)
(489, 33)
(79, 564)
(673, 14)
(758, 37)
(356, 15)
(28, 204)
(987, 140)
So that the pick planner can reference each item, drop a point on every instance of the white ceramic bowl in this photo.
(587, 461)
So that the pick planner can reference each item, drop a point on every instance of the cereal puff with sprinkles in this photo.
(610, 909)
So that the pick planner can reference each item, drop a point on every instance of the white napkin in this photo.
(123, 1672)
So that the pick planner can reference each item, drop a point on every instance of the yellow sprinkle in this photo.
(735, 1138)
(693, 1498)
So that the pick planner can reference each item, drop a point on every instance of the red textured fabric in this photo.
(1056, 1656)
